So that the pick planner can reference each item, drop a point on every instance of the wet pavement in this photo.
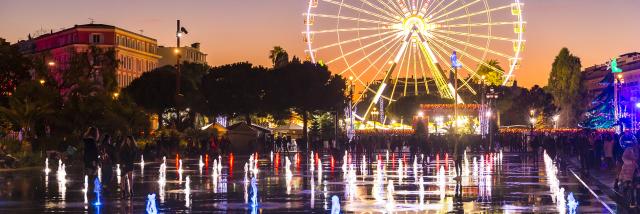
(368, 183)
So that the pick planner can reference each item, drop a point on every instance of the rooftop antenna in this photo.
(91, 20)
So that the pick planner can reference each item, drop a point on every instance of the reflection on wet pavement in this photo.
(298, 182)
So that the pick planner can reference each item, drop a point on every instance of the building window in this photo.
(96, 38)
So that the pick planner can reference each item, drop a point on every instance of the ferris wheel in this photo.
(396, 48)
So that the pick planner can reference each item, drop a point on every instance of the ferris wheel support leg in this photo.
(383, 84)
(435, 64)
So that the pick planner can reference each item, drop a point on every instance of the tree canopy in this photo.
(565, 84)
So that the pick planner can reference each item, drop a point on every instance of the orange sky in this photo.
(245, 30)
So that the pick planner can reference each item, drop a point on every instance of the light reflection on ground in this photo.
(296, 182)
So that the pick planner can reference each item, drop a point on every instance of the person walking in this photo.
(458, 151)
(608, 150)
(128, 153)
(107, 152)
(89, 140)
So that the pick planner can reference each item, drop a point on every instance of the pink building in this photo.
(136, 53)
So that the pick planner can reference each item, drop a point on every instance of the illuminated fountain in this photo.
(572, 203)
(391, 203)
(97, 188)
(151, 204)
(421, 192)
(46, 167)
(345, 159)
(61, 176)
(400, 171)
(442, 182)
(187, 192)
(118, 172)
(214, 176)
(319, 171)
(100, 173)
(363, 166)
(311, 162)
(200, 164)
(86, 188)
(351, 183)
(162, 179)
(335, 205)
(376, 189)
(142, 166)
(288, 174)
(254, 193)
(557, 193)
(180, 171)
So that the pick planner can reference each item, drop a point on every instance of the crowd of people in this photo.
(104, 152)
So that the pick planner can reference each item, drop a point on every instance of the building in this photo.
(630, 88)
(188, 54)
(135, 53)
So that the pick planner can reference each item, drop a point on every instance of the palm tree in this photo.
(492, 72)
(279, 57)
(24, 113)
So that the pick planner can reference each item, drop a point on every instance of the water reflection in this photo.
(385, 181)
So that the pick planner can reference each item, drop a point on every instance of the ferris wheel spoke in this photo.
(406, 71)
(437, 35)
(415, 71)
(479, 24)
(398, 12)
(342, 4)
(395, 82)
(431, 9)
(475, 35)
(369, 55)
(479, 61)
(424, 75)
(397, 6)
(454, 10)
(442, 9)
(472, 14)
(361, 48)
(350, 30)
(352, 40)
(367, 88)
(394, 16)
(349, 18)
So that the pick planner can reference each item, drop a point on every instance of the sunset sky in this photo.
(245, 30)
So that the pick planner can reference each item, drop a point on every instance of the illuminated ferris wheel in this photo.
(395, 48)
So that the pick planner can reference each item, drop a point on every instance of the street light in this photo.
(116, 95)
(42, 81)
(51, 63)
(374, 114)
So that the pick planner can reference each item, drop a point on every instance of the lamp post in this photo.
(374, 115)
(180, 32)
